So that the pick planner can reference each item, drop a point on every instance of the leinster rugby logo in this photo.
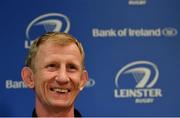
(143, 75)
(51, 22)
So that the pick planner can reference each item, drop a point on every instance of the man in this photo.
(55, 71)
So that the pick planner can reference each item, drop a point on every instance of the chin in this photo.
(61, 103)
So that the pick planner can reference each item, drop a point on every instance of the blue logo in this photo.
(145, 74)
(140, 72)
(51, 22)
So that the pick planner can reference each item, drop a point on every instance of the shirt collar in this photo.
(76, 113)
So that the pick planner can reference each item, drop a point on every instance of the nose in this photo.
(62, 77)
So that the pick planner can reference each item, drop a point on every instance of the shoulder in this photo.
(77, 113)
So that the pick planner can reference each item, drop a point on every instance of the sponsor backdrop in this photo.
(132, 53)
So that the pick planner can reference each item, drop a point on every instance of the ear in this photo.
(27, 77)
(84, 79)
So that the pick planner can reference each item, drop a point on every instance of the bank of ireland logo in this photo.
(51, 22)
(169, 32)
(145, 75)
(90, 83)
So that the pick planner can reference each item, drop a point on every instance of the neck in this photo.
(47, 111)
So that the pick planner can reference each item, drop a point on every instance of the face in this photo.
(58, 75)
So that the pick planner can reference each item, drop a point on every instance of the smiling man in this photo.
(55, 71)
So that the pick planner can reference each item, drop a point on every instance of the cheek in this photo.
(41, 80)
(39, 85)
(75, 79)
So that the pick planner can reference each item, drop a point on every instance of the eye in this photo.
(52, 67)
(72, 67)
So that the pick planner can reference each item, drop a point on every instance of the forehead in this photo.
(52, 48)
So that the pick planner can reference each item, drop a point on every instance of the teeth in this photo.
(59, 90)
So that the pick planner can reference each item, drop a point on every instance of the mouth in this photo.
(60, 90)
